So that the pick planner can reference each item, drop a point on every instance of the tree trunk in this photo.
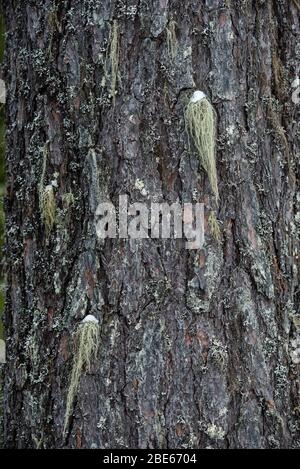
(198, 348)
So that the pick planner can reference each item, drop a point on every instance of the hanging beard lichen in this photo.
(86, 348)
(48, 207)
(200, 121)
(172, 39)
(112, 60)
(214, 226)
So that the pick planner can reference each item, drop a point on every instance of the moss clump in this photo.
(86, 348)
(172, 43)
(112, 59)
(200, 120)
(214, 226)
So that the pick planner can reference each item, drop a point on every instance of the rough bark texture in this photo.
(197, 348)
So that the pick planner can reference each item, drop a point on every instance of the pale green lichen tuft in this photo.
(68, 199)
(214, 226)
(112, 60)
(172, 43)
(200, 120)
(86, 342)
(48, 207)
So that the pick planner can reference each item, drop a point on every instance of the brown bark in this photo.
(197, 348)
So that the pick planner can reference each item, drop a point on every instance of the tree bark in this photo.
(198, 348)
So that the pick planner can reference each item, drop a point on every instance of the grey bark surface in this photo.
(197, 348)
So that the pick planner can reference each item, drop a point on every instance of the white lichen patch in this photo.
(140, 186)
(187, 52)
(90, 318)
(197, 96)
(102, 423)
(230, 130)
(215, 432)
